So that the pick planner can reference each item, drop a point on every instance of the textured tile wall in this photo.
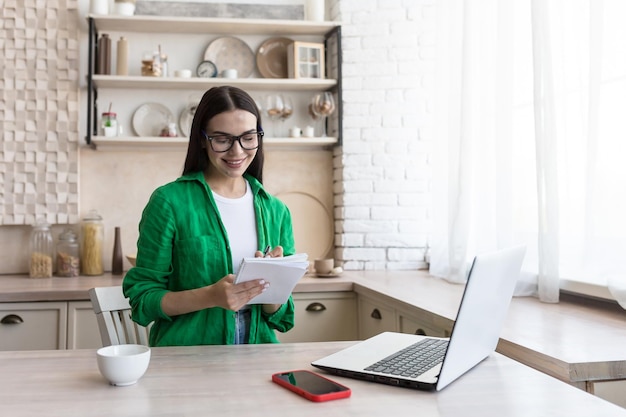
(39, 109)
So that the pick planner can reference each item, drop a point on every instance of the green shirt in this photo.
(183, 245)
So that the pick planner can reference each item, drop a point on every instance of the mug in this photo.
(295, 132)
(324, 266)
(229, 73)
(308, 132)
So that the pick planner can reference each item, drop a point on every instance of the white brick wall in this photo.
(382, 173)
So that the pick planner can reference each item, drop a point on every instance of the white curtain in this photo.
(530, 139)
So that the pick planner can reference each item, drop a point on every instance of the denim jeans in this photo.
(242, 326)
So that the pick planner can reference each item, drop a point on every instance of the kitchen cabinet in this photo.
(33, 326)
(82, 326)
(185, 30)
(323, 316)
(379, 314)
(48, 325)
(375, 316)
(417, 321)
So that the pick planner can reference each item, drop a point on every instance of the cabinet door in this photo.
(82, 326)
(418, 324)
(375, 317)
(322, 317)
(33, 326)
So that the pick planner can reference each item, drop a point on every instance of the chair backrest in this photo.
(113, 313)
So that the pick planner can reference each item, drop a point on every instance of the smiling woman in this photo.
(195, 231)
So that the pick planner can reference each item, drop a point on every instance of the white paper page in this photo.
(282, 274)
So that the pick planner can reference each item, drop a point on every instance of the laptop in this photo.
(474, 336)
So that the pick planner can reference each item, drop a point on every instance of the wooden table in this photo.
(235, 381)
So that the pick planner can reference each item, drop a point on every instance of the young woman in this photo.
(194, 232)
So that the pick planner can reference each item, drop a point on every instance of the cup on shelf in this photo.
(229, 73)
(324, 266)
(182, 73)
(308, 132)
(295, 132)
(124, 7)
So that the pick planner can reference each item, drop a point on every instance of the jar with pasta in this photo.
(41, 251)
(91, 244)
(68, 254)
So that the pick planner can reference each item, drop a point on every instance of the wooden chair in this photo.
(113, 313)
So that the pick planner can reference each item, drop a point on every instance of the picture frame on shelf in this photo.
(306, 60)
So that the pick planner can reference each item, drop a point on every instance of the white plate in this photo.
(186, 118)
(271, 58)
(230, 52)
(150, 118)
(312, 223)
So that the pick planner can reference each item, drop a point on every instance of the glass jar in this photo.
(41, 251)
(68, 254)
(109, 124)
(91, 244)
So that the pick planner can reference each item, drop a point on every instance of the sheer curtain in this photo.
(530, 138)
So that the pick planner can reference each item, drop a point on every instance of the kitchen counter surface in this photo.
(577, 342)
(21, 288)
(236, 381)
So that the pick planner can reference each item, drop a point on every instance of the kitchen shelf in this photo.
(135, 143)
(167, 24)
(172, 83)
(330, 32)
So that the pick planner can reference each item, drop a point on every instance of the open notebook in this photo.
(423, 362)
(282, 273)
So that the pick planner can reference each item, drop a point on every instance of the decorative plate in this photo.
(230, 52)
(150, 118)
(186, 118)
(271, 58)
(313, 227)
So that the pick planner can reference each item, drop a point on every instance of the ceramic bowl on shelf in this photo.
(132, 259)
(123, 365)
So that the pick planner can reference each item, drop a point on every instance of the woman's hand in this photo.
(277, 252)
(231, 296)
(224, 293)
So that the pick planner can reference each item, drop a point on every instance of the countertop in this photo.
(236, 381)
(576, 342)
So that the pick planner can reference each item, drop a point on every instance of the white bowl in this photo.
(132, 259)
(123, 365)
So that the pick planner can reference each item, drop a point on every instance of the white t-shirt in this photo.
(240, 222)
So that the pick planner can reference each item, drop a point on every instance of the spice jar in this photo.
(68, 254)
(41, 251)
(91, 244)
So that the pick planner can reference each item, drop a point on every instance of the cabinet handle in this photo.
(11, 319)
(420, 332)
(315, 307)
(376, 314)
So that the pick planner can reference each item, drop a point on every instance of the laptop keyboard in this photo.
(413, 360)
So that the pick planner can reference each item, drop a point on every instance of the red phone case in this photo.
(335, 391)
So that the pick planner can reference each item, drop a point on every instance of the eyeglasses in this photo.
(223, 143)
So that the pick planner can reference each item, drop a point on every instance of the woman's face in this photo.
(234, 162)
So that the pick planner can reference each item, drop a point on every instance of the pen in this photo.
(266, 251)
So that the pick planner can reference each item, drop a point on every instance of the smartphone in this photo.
(311, 386)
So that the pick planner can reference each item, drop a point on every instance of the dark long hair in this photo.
(215, 101)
